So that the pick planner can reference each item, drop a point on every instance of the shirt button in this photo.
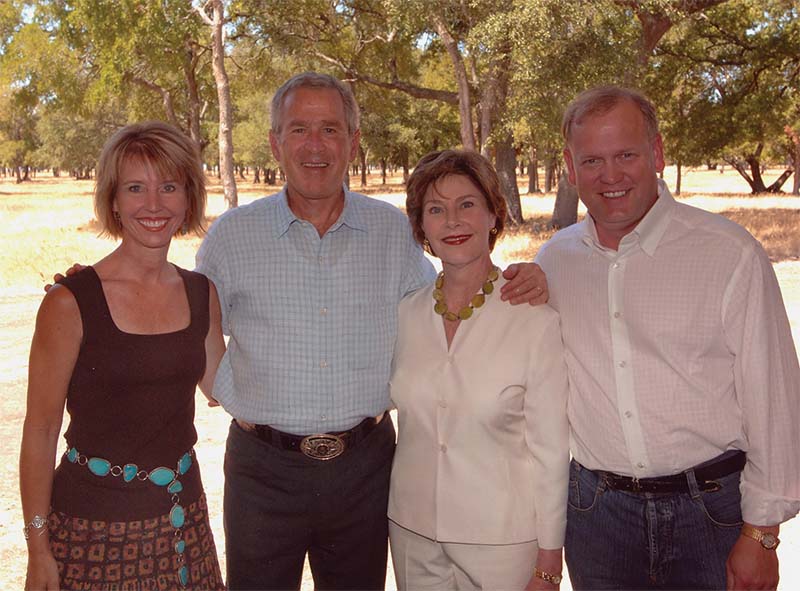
(640, 465)
(622, 364)
(323, 311)
(443, 447)
(628, 414)
(443, 404)
(323, 364)
(323, 417)
(615, 265)
(617, 314)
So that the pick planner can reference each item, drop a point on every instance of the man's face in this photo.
(614, 165)
(314, 146)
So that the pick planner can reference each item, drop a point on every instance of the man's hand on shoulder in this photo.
(526, 283)
(68, 273)
(751, 566)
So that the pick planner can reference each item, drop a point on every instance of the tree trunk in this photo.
(383, 171)
(549, 173)
(565, 210)
(533, 172)
(460, 71)
(362, 157)
(216, 20)
(506, 165)
(678, 179)
(190, 74)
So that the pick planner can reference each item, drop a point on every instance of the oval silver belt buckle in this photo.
(322, 446)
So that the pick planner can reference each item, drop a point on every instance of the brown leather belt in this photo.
(705, 475)
(319, 446)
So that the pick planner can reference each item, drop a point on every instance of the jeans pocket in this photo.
(584, 488)
(723, 507)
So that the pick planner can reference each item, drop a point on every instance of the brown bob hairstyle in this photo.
(437, 165)
(162, 146)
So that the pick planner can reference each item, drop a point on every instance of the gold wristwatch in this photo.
(767, 540)
(545, 576)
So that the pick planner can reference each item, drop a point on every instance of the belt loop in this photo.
(694, 489)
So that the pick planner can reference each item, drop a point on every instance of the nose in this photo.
(452, 217)
(152, 200)
(611, 172)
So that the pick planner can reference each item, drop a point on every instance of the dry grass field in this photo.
(48, 225)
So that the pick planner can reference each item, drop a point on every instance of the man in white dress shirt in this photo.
(684, 381)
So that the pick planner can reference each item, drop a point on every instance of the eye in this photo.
(135, 188)
(329, 130)
(298, 130)
(169, 188)
(467, 204)
(591, 162)
(434, 209)
(627, 155)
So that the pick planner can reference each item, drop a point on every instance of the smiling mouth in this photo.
(456, 240)
(315, 165)
(614, 194)
(153, 224)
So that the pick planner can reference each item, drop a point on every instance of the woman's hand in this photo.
(42, 572)
(550, 562)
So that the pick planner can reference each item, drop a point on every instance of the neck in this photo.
(137, 264)
(463, 281)
(322, 213)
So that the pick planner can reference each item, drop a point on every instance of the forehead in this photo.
(452, 186)
(623, 123)
(137, 166)
(311, 103)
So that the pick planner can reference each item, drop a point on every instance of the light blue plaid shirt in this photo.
(312, 321)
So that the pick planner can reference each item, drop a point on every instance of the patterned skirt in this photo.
(134, 555)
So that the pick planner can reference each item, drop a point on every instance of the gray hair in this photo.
(600, 100)
(315, 80)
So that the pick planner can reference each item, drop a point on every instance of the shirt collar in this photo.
(351, 215)
(649, 230)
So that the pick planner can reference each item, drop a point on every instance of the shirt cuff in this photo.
(760, 507)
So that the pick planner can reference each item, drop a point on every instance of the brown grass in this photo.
(48, 225)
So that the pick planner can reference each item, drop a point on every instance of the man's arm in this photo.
(767, 382)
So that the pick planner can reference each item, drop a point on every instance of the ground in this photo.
(48, 226)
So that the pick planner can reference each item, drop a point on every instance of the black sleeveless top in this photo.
(130, 400)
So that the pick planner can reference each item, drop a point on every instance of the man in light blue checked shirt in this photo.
(309, 281)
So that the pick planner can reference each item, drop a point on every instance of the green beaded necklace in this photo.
(440, 305)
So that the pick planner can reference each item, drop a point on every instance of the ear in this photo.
(572, 177)
(354, 143)
(274, 144)
(658, 153)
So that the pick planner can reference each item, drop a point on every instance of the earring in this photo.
(493, 231)
(427, 246)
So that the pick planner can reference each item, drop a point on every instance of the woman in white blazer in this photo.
(479, 482)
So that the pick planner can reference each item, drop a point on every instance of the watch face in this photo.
(769, 541)
(556, 579)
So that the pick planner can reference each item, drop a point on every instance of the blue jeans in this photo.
(623, 540)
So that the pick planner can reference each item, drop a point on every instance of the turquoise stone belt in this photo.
(161, 476)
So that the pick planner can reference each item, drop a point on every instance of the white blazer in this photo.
(483, 449)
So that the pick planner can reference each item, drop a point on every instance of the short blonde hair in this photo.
(435, 166)
(602, 99)
(163, 146)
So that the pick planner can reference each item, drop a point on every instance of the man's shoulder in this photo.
(376, 209)
(718, 228)
(563, 240)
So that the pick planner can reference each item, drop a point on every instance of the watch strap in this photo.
(553, 579)
(767, 540)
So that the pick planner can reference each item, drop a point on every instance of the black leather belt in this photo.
(705, 475)
(320, 446)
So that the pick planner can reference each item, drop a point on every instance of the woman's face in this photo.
(456, 220)
(151, 208)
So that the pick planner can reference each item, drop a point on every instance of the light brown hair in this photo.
(169, 151)
(600, 100)
(437, 165)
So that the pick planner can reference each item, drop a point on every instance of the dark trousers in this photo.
(623, 540)
(280, 505)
